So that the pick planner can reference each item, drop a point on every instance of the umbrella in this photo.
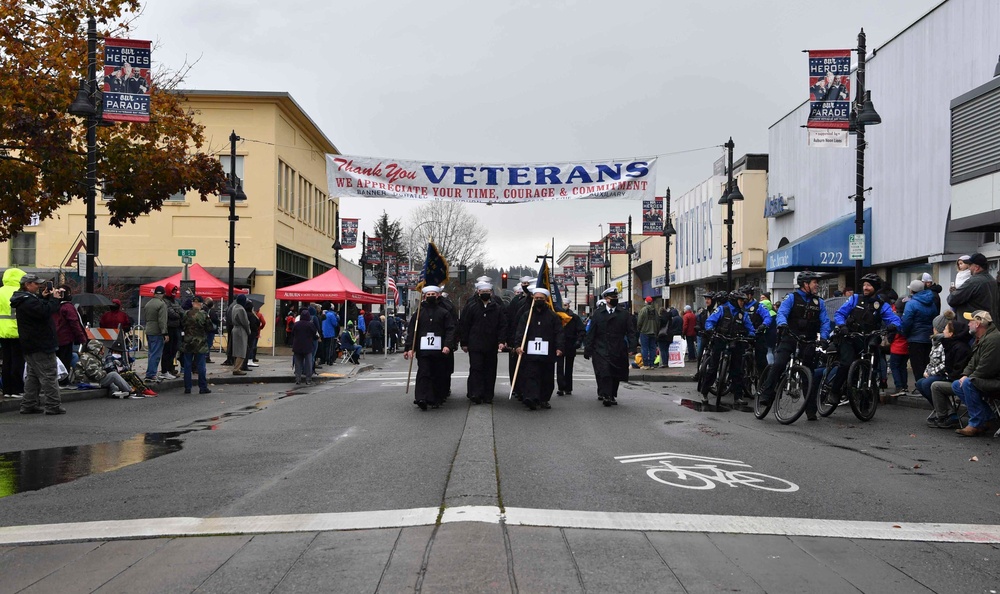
(257, 299)
(90, 300)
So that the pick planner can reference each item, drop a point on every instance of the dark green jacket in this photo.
(984, 366)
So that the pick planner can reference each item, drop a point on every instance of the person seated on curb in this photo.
(90, 368)
(347, 343)
(982, 374)
(119, 361)
(949, 356)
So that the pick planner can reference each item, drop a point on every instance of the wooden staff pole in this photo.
(413, 345)
(517, 367)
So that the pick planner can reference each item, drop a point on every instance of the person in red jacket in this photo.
(69, 329)
(690, 331)
(115, 317)
(899, 355)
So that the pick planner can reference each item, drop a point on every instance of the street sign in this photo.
(186, 259)
(856, 246)
(186, 253)
(81, 264)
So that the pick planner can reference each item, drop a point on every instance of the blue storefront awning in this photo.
(825, 248)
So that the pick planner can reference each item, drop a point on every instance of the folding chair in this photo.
(993, 401)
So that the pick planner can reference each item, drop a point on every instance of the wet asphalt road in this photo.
(359, 444)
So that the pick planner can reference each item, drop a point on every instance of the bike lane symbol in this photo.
(704, 473)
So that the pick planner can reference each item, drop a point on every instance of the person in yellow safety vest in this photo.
(13, 359)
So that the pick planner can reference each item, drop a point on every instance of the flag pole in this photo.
(413, 345)
(517, 367)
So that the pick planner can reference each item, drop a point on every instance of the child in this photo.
(115, 361)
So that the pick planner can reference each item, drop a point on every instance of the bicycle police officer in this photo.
(863, 313)
(729, 320)
(804, 313)
(761, 319)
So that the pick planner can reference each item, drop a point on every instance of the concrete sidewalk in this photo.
(272, 369)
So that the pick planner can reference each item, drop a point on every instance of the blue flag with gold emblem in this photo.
(435, 271)
(545, 282)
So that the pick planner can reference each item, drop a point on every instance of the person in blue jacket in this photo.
(865, 313)
(762, 320)
(729, 320)
(917, 326)
(804, 314)
(331, 334)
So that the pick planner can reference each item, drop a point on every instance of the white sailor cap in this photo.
(541, 291)
(518, 289)
(610, 291)
(527, 279)
(484, 286)
(430, 289)
(484, 279)
(601, 302)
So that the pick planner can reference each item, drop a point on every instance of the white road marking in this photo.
(551, 518)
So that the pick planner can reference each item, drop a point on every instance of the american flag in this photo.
(392, 288)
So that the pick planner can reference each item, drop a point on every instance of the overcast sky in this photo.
(523, 81)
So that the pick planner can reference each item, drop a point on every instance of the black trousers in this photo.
(607, 386)
(482, 380)
(539, 379)
(170, 350)
(782, 353)
(564, 371)
(920, 357)
(13, 366)
(760, 352)
(432, 379)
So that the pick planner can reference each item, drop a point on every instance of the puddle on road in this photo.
(31, 470)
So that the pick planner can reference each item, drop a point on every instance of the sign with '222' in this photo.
(369, 177)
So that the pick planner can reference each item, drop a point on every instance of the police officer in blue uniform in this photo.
(729, 320)
(761, 320)
(803, 312)
(865, 313)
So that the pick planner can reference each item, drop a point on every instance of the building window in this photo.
(292, 262)
(22, 250)
(178, 197)
(227, 163)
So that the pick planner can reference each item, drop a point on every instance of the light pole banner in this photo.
(370, 177)
(652, 216)
(349, 233)
(829, 88)
(597, 254)
(126, 80)
(616, 241)
(390, 264)
(580, 265)
(373, 253)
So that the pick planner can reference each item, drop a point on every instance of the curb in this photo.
(14, 405)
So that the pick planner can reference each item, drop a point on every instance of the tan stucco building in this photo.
(285, 230)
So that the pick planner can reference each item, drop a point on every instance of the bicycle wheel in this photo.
(751, 379)
(792, 395)
(704, 376)
(763, 481)
(863, 398)
(760, 409)
(722, 375)
(679, 478)
(824, 408)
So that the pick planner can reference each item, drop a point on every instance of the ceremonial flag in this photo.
(391, 286)
(544, 281)
(435, 271)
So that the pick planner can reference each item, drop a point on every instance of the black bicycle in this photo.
(793, 389)
(829, 358)
(863, 375)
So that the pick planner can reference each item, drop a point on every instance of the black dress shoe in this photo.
(545, 405)
(606, 402)
(55, 411)
(421, 403)
(531, 404)
(31, 411)
(205, 391)
(568, 393)
(187, 391)
(614, 401)
(811, 416)
(559, 393)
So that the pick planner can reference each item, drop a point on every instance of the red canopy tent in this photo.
(205, 284)
(329, 286)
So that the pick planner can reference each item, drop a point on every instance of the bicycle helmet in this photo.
(735, 296)
(873, 279)
(721, 297)
(805, 276)
(748, 289)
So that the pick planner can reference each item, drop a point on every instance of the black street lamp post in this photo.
(865, 115)
(85, 106)
(607, 261)
(336, 239)
(668, 230)
(732, 194)
(630, 251)
(235, 191)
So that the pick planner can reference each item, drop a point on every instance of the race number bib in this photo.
(538, 347)
(430, 342)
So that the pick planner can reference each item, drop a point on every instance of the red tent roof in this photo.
(329, 286)
(205, 284)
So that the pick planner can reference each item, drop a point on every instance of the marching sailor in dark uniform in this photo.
(610, 338)
(544, 336)
(573, 335)
(518, 305)
(482, 331)
(434, 331)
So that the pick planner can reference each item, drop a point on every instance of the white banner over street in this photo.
(370, 177)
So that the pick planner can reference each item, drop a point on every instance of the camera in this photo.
(48, 286)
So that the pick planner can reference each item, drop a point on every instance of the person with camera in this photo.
(34, 303)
